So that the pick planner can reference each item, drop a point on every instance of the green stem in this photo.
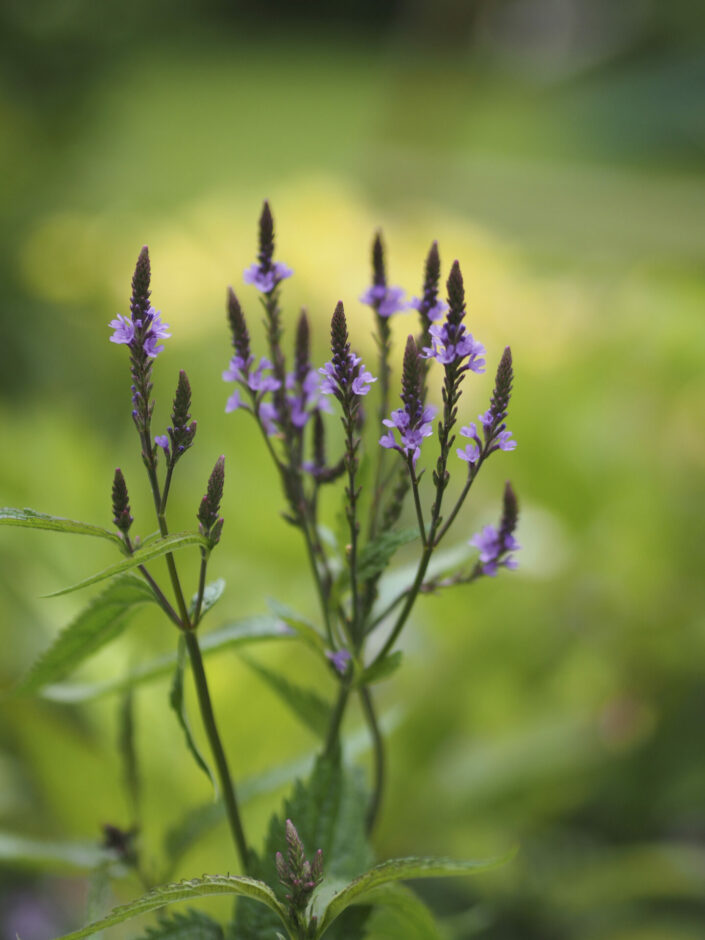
(417, 499)
(337, 718)
(379, 761)
(160, 596)
(226, 784)
(201, 588)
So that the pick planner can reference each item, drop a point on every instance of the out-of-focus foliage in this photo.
(556, 149)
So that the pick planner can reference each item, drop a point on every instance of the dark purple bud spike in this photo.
(209, 524)
(379, 273)
(139, 301)
(121, 503)
(502, 387)
(266, 238)
(432, 274)
(456, 295)
(510, 513)
(412, 380)
(238, 326)
(303, 348)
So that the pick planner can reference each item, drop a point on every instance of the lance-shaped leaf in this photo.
(39, 520)
(305, 629)
(306, 704)
(381, 670)
(377, 554)
(102, 621)
(176, 700)
(362, 889)
(239, 633)
(22, 852)
(169, 543)
(185, 891)
(211, 595)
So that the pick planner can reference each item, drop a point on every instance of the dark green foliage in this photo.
(329, 814)
(191, 925)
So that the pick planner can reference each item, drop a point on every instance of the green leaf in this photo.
(211, 596)
(169, 543)
(39, 520)
(307, 705)
(377, 554)
(22, 852)
(191, 925)
(361, 889)
(398, 912)
(329, 814)
(184, 891)
(176, 700)
(381, 670)
(300, 624)
(239, 633)
(102, 621)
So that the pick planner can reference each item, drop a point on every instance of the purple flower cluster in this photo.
(496, 440)
(411, 431)
(258, 382)
(266, 279)
(434, 312)
(305, 397)
(339, 661)
(451, 343)
(384, 300)
(146, 332)
(351, 373)
(494, 545)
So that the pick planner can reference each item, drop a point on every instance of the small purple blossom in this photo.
(492, 547)
(411, 433)
(306, 399)
(339, 660)
(162, 440)
(334, 379)
(436, 312)
(265, 280)
(384, 300)
(124, 330)
(450, 343)
(131, 332)
(471, 452)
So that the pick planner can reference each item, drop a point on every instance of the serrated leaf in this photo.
(211, 595)
(23, 852)
(200, 819)
(361, 889)
(28, 518)
(305, 629)
(376, 555)
(329, 814)
(239, 633)
(382, 669)
(192, 925)
(169, 543)
(184, 891)
(176, 700)
(98, 624)
(306, 704)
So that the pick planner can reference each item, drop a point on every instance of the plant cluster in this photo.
(315, 875)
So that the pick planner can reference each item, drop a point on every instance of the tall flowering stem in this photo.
(458, 353)
(141, 334)
(384, 301)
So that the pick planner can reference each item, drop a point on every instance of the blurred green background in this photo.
(556, 148)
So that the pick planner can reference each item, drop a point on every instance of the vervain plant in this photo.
(313, 876)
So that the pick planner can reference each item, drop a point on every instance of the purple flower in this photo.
(411, 432)
(350, 372)
(238, 369)
(492, 547)
(450, 343)
(162, 440)
(495, 544)
(433, 313)
(339, 660)
(505, 442)
(471, 452)
(269, 416)
(234, 402)
(257, 381)
(306, 399)
(136, 332)
(384, 300)
(266, 279)
(124, 330)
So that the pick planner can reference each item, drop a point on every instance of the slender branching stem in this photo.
(417, 498)
(384, 345)
(160, 596)
(201, 588)
(378, 757)
(337, 718)
(226, 784)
